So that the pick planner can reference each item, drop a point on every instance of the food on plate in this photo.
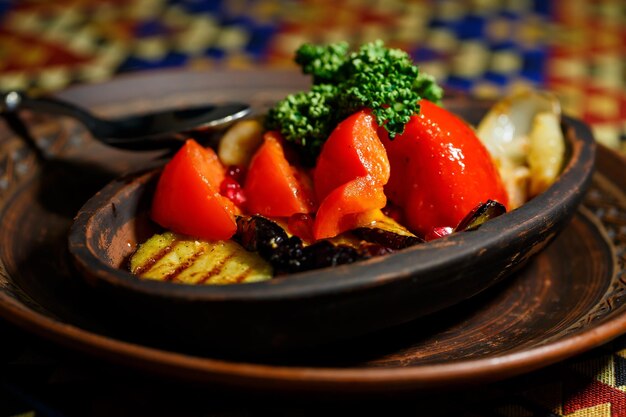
(439, 150)
(239, 143)
(171, 257)
(524, 137)
(273, 186)
(365, 163)
(374, 77)
(187, 199)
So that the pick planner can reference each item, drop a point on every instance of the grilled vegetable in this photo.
(187, 198)
(375, 227)
(265, 248)
(439, 171)
(350, 174)
(480, 214)
(170, 257)
(273, 186)
(288, 254)
(523, 135)
(546, 153)
(240, 142)
(374, 136)
(353, 150)
(385, 238)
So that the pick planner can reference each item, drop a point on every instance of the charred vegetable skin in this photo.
(266, 249)
(174, 258)
(389, 240)
(288, 254)
(483, 212)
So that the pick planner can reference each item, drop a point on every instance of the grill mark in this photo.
(241, 277)
(215, 270)
(184, 265)
(151, 261)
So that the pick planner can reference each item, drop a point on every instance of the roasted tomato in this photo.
(352, 150)
(338, 212)
(273, 187)
(187, 198)
(440, 170)
(350, 174)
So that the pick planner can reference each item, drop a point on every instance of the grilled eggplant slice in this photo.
(480, 214)
(170, 257)
(386, 238)
(384, 231)
(288, 254)
(262, 248)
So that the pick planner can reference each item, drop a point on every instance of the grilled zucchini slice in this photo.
(174, 258)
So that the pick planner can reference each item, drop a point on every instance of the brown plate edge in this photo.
(270, 377)
(320, 379)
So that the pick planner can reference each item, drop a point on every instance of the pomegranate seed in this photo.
(231, 189)
(438, 232)
(236, 172)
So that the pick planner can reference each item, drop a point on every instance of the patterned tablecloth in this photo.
(576, 48)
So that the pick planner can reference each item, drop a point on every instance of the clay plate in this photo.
(326, 305)
(567, 299)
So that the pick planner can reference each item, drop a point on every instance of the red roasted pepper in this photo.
(352, 150)
(350, 174)
(273, 187)
(338, 212)
(187, 198)
(440, 170)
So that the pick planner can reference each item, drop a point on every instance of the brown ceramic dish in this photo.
(568, 299)
(321, 306)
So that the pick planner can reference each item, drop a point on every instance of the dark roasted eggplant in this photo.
(289, 254)
(386, 238)
(479, 215)
(264, 246)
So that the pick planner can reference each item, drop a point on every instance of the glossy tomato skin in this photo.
(352, 150)
(337, 213)
(440, 170)
(273, 187)
(187, 198)
(349, 175)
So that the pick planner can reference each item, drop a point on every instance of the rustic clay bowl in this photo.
(320, 306)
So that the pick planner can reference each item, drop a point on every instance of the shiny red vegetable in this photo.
(350, 174)
(273, 187)
(440, 171)
(352, 150)
(339, 211)
(187, 198)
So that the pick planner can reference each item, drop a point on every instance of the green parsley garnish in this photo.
(382, 79)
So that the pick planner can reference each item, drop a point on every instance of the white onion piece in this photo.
(546, 153)
(511, 133)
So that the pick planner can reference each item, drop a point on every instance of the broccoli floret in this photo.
(428, 88)
(375, 77)
(306, 119)
(323, 62)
